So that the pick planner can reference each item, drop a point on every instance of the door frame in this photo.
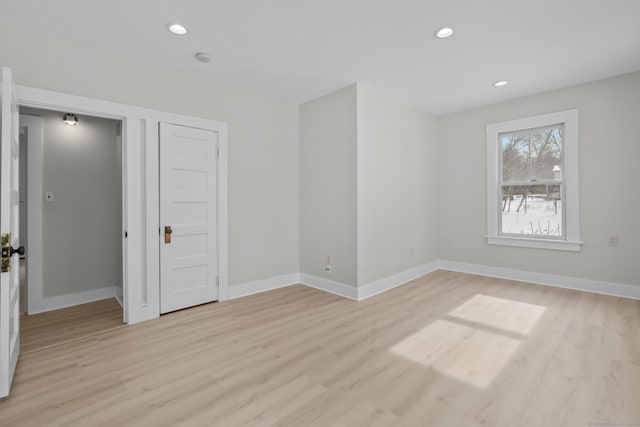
(34, 293)
(141, 186)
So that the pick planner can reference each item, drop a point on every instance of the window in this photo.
(532, 182)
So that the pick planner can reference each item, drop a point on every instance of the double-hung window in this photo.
(532, 182)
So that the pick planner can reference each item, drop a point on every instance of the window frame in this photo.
(571, 222)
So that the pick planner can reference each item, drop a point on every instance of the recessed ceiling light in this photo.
(176, 29)
(443, 32)
(500, 83)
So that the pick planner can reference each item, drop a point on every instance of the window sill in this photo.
(558, 245)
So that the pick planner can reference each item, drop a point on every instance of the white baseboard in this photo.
(119, 296)
(374, 288)
(398, 279)
(567, 282)
(69, 300)
(250, 288)
(330, 286)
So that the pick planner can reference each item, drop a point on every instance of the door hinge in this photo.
(217, 152)
(6, 253)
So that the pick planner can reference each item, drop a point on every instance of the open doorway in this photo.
(71, 216)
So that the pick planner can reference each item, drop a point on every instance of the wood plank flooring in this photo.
(447, 349)
(42, 330)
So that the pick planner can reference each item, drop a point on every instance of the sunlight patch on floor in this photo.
(473, 350)
(512, 316)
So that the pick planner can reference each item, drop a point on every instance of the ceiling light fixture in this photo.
(501, 83)
(203, 57)
(176, 29)
(443, 33)
(70, 119)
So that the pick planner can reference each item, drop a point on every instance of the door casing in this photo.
(140, 157)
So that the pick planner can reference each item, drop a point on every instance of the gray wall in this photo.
(263, 136)
(397, 187)
(23, 189)
(609, 176)
(82, 225)
(328, 186)
(118, 210)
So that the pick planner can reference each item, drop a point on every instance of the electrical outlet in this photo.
(328, 268)
(613, 240)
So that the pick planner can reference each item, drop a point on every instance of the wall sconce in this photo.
(70, 119)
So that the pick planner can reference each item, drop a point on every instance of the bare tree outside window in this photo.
(531, 183)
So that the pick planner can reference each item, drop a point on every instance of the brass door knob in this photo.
(167, 233)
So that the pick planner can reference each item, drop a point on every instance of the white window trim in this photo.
(571, 241)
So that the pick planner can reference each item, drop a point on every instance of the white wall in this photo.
(266, 186)
(263, 136)
(609, 132)
(328, 186)
(397, 187)
(82, 225)
(368, 186)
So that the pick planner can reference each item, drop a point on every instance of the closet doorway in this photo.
(71, 222)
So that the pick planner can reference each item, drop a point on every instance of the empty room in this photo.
(291, 213)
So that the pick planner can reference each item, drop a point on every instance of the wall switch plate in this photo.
(48, 196)
(613, 240)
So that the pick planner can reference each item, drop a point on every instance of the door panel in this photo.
(188, 205)
(9, 223)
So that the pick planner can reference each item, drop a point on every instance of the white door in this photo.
(188, 217)
(9, 214)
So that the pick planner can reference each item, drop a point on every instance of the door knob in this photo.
(167, 233)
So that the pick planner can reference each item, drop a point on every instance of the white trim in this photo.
(258, 286)
(570, 204)
(566, 282)
(529, 242)
(398, 279)
(69, 300)
(223, 219)
(329, 286)
(150, 215)
(141, 182)
(118, 297)
(404, 277)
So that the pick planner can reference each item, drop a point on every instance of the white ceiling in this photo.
(300, 49)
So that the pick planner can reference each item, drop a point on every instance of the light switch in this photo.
(48, 196)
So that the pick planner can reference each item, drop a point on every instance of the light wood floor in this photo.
(43, 330)
(448, 349)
